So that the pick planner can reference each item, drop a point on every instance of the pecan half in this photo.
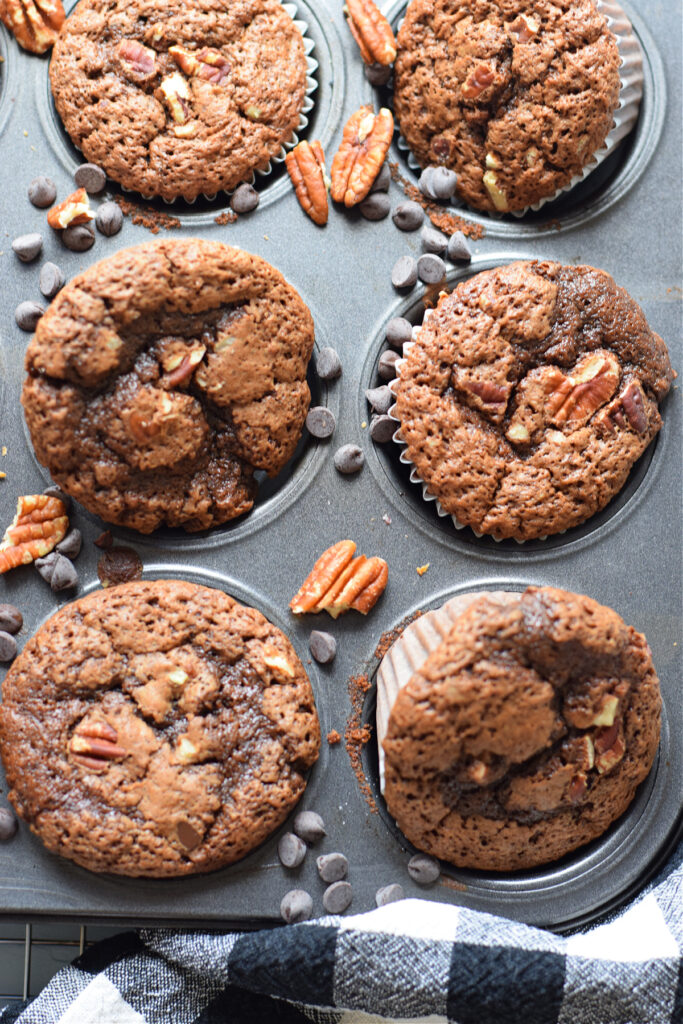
(364, 146)
(208, 63)
(75, 209)
(35, 24)
(138, 62)
(627, 410)
(177, 95)
(94, 745)
(306, 166)
(40, 523)
(338, 581)
(372, 32)
(593, 381)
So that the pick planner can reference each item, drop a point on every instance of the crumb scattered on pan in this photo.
(447, 222)
(421, 569)
(226, 217)
(333, 737)
(147, 216)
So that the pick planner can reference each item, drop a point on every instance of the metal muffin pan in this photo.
(628, 557)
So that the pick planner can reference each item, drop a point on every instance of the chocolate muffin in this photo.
(528, 395)
(161, 378)
(514, 95)
(177, 99)
(157, 728)
(525, 733)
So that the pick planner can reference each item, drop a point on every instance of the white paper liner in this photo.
(307, 106)
(415, 478)
(407, 655)
(625, 116)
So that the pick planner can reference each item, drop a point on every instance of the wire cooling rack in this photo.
(30, 955)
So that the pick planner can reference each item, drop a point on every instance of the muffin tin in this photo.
(624, 218)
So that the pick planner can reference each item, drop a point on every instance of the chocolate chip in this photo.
(389, 894)
(442, 182)
(430, 268)
(90, 177)
(425, 183)
(78, 237)
(8, 646)
(245, 199)
(348, 459)
(382, 429)
(8, 824)
(320, 421)
(11, 619)
(46, 565)
(404, 272)
(296, 905)
(383, 179)
(433, 240)
(332, 867)
(386, 366)
(408, 216)
(337, 897)
(187, 835)
(423, 869)
(328, 365)
(57, 492)
(399, 330)
(322, 646)
(376, 206)
(381, 399)
(377, 74)
(119, 565)
(309, 826)
(28, 247)
(291, 850)
(51, 280)
(64, 575)
(71, 545)
(27, 315)
(109, 219)
(42, 192)
(458, 251)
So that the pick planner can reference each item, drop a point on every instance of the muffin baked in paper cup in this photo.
(415, 478)
(307, 106)
(625, 115)
(407, 655)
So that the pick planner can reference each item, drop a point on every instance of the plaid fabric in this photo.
(409, 961)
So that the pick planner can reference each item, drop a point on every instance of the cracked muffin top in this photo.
(162, 377)
(525, 732)
(528, 395)
(514, 95)
(157, 728)
(178, 99)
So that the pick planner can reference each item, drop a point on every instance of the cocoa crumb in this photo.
(451, 883)
(226, 217)
(447, 222)
(392, 635)
(356, 735)
(146, 216)
(333, 737)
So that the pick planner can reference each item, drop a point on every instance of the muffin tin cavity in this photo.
(322, 103)
(599, 191)
(563, 893)
(274, 494)
(399, 482)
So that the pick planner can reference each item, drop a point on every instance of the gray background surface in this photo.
(628, 222)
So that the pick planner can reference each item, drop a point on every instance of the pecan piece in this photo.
(627, 410)
(306, 166)
(524, 27)
(364, 146)
(180, 366)
(35, 24)
(138, 62)
(478, 81)
(609, 747)
(498, 196)
(178, 97)
(94, 745)
(372, 32)
(338, 581)
(208, 63)
(577, 788)
(593, 382)
(40, 523)
(486, 396)
(73, 210)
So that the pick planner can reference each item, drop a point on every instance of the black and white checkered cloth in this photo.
(413, 960)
